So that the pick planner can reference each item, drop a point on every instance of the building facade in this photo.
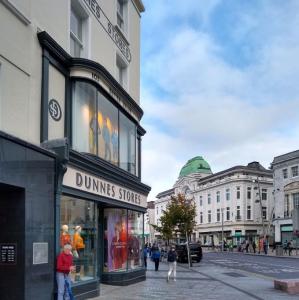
(286, 195)
(149, 220)
(237, 201)
(70, 144)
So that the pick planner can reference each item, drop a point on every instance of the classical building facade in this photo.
(70, 144)
(149, 220)
(286, 195)
(237, 201)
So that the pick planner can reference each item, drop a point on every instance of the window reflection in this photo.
(99, 128)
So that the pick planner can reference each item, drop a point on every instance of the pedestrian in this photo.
(63, 269)
(247, 246)
(290, 247)
(145, 255)
(172, 258)
(261, 244)
(253, 246)
(285, 246)
(265, 245)
(156, 256)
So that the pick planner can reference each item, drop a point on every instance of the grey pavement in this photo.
(205, 280)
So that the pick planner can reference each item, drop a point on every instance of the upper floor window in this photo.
(294, 171)
(227, 194)
(248, 212)
(209, 216)
(264, 212)
(101, 129)
(286, 206)
(121, 14)
(78, 28)
(209, 198)
(249, 193)
(218, 196)
(238, 216)
(227, 214)
(200, 200)
(238, 192)
(218, 214)
(296, 200)
(201, 217)
(285, 173)
(264, 194)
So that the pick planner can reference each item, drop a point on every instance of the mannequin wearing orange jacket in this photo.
(78, 245)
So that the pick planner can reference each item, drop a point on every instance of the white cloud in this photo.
(228, 114)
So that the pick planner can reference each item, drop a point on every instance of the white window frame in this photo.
(227, 194)
(294, 174)
(122, 16)
(218, 196)
(80, 9)
(248, 209)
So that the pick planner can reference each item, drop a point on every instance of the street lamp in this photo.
(261, 205)
(222, 229)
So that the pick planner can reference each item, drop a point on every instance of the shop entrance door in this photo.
(12, 250)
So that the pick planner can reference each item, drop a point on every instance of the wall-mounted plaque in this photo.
(40, 253)
(8, 254)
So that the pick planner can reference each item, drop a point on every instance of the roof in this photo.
(285, 157)
(165, 193)
(195, 165)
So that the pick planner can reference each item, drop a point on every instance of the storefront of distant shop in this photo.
(92, 124)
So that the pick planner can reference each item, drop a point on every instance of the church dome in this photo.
(195, 165)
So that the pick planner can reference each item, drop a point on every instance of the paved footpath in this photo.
(203, 281)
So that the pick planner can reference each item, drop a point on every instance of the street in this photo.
(272, 267)
(218, 276)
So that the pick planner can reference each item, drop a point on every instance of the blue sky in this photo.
(220, 79)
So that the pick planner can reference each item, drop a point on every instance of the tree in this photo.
(179, 217)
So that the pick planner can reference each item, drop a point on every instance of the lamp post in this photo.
(261, 205)
(222, 244)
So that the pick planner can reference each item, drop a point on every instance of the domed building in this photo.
(227, 203)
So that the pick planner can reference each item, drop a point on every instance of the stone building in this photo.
(286, 195)
(237, 201)
(70, 144)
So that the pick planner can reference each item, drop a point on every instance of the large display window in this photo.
(98, 127)
(123, 240)
(135, 239)
(115, 240)
(79, 228)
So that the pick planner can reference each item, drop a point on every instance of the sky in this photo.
(219, 79)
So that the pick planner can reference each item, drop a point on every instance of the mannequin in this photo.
(65, 237)
(78, 245)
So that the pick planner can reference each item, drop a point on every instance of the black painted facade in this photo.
(27, 193)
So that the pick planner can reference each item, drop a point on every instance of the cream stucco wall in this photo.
(21, 55)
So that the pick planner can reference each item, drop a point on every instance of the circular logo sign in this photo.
(54, 110)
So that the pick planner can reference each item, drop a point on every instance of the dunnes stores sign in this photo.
(111, 30)
(85, 182)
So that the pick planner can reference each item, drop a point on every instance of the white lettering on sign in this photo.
(83, 181)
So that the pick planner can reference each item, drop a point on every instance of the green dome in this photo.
(195, 165)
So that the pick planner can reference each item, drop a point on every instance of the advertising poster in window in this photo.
(116, 238)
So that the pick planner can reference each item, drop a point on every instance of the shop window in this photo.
(127, 147)
(86, 125)
(107, 118)
(115, 240)
(135, 239)
(100, 129)
(79, 229)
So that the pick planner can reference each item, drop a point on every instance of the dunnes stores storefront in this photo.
(82, 186)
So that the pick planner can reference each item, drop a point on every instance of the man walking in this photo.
(172, 258)
(156, 256)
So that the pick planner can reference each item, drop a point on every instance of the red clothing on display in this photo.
(64, 262)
